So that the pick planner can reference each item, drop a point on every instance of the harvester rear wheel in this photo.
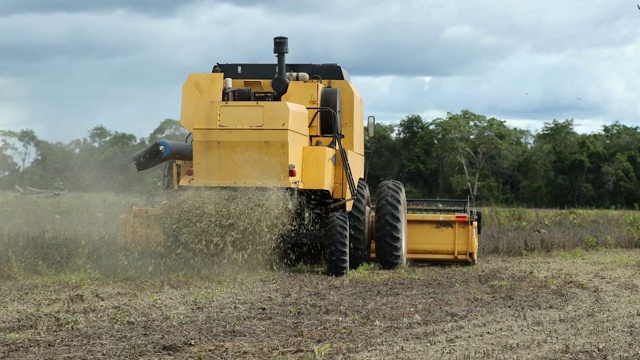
(391, 225)
(359, 235)
(337, 236)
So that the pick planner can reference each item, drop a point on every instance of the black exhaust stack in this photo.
(280, 83)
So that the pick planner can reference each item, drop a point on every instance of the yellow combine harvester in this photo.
(300, 127)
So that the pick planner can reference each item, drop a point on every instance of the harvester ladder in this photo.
(345, 164)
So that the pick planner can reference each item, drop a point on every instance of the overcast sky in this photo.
(69, 65)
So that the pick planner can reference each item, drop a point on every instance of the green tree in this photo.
(56, 167)
(620, 165)
(168, 129)
(564, 164)
(8, 166)
(99, 135)
(415, 143)
(382, 161)
(471, 139)
(20, 148)
(502, 179)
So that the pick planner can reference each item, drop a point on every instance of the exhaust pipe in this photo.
(280, 83)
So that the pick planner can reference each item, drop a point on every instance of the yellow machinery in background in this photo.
(300, 127)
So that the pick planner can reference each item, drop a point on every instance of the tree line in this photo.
(468, 154)
(461, 155)
(100, 162)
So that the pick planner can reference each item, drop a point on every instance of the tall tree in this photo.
(22, 149)
(8, 165)
(168, 129)
(470, 138)
(502, 180)
(415, 142)
(558, 146)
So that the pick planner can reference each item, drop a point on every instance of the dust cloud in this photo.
(227, 228)
(198, 231)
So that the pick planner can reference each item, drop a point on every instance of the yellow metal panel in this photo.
(318, 168)
(241, 115)
(352, 115)
(240, 163)
(356, 163)
(276, 115)
(205, 115)
(438, 235)
(434, 237)
(306, 94)
(198, 88)
(438, 257)
(249, 156)
(297, 143)
(255, 85)
(246, 157)
(241, 134)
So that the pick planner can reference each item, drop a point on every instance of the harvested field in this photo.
(549, 284)
(572, 305)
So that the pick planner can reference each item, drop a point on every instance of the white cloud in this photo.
(74, 65)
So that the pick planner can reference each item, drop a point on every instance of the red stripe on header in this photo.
(461, 217)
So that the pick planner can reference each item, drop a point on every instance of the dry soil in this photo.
(568, 305)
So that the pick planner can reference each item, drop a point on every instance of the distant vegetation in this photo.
(468, 154)
(78, 233)
(100, 162)
(463, 154)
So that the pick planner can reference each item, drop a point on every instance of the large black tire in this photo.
(391, 225)
(359, 234)
(337, 237)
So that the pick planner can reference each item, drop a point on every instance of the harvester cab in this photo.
(299, 128)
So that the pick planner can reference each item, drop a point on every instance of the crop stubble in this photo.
(529, 307)
(568, 304)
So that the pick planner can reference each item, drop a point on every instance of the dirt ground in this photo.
(575, 305)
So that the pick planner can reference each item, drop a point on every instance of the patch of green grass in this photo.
(12, 337)
(320, 351)
(573, 254)
(363, 271)
(201, 298)
(591, 242)
(632, 222)
(618, 258)
(371, 271)
(501, 283)
(70, 322)
(303, 268)
(350, 314)
(521, 231)
(154, 299)
(407, 273)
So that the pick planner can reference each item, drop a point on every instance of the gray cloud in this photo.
(70, 65)
(151, 7)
